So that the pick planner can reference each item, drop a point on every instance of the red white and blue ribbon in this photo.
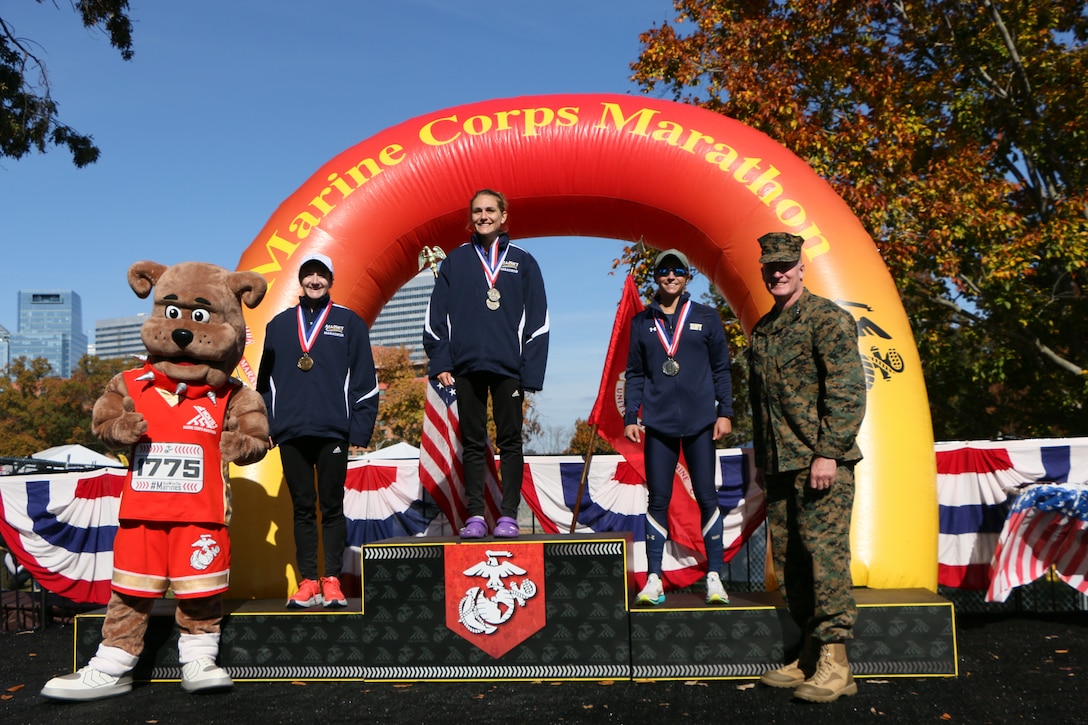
(672, 345)
(492, 263)
(307, 334)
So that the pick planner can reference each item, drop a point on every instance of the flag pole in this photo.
(585, 475)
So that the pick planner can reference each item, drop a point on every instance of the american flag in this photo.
(989, 495)
(440, 460)
(1048, 526)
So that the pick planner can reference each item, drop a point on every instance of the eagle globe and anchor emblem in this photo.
(484, 609)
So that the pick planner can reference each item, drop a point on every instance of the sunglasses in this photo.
(664, 271)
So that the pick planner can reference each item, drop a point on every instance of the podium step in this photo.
(898, 632)
(535, 608)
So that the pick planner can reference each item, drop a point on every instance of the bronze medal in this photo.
(305, 362)
(670, 367)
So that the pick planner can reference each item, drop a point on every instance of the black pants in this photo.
(506, 400)
(328, 457)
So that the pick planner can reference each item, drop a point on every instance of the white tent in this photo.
(397, 451)
(76, 455)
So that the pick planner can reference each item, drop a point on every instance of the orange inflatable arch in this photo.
(618, 167)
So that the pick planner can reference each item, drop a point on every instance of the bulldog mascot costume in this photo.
(183, 418)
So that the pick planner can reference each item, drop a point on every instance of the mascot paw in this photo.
(126, 429)
(242, 449)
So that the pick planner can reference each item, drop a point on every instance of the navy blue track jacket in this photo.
(338, 397)
(461, 335)
(699, 394)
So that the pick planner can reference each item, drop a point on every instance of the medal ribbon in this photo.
(492, 263)
(671, 345)
(307, 336)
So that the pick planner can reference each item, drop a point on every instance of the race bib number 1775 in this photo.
(168, 468)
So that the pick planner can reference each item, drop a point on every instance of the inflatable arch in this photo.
(619, 167)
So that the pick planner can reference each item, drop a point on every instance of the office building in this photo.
(400, 323)
(5, 342)
(119, 337)
(50, 327)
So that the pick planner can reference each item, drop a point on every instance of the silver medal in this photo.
(670, 367)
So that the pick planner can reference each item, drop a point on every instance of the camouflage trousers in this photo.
(810, 550)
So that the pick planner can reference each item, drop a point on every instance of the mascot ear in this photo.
(142, 276)
(248, 287)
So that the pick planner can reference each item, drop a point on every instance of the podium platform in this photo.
(547, 607)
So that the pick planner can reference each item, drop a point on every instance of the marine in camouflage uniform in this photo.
(807, 391)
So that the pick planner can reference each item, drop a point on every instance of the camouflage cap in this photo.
(671, 253)
(780, 247)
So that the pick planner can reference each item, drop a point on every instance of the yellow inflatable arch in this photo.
(619, 167)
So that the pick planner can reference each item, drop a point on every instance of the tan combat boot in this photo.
(832, 679)
(793, 674)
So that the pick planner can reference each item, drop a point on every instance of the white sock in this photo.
(194, 646)
(113, 660)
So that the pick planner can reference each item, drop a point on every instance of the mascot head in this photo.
(196, 333)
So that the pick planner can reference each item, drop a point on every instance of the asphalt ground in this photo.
(1012, 669)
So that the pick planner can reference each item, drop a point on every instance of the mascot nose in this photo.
(182, 337)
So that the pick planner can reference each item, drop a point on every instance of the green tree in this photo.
(956, 132)
(29, 117)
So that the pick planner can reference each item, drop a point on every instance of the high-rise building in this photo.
(51, 327)
(5, 343)
(119, 337)
(400, 323)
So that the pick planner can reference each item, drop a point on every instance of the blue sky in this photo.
(228, 107)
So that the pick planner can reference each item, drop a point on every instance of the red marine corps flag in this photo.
(607, 413)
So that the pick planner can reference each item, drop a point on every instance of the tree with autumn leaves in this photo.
(404, 400)
(957, 134)
(39, 410)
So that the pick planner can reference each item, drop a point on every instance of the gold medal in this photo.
(492, 304)
(493, 297)
(307, 335)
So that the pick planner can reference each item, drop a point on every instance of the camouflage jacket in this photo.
(807, 385)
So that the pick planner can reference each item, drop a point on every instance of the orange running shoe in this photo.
(308, 595)
(331, 592)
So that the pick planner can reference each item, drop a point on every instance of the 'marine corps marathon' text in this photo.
(529, 122)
